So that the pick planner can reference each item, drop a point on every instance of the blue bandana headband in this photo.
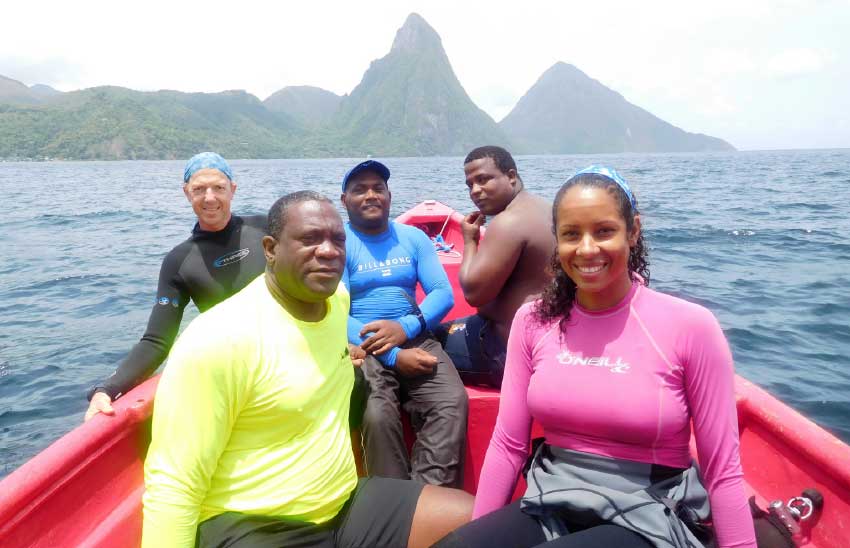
(614, 176)
(206, 160)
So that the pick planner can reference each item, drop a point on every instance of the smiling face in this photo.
(210, 193)
(308, 256)
(593, 245)
(489, 189)
(367, 201)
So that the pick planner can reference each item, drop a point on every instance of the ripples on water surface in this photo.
(761, 238)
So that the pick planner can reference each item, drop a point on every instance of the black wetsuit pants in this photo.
(437, 405)
(510, 526)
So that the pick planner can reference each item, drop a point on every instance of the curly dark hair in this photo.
(558, 297)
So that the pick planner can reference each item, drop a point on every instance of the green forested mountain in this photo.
(114, 123)
(409, 103)
(44, 92)
(568, 112)
(14, 92)
(310, 106)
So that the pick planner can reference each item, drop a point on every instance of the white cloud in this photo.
(796, 62)
(726, 62)
(703, 67)
(53, 71)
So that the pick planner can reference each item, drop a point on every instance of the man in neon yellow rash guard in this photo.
(250, 431)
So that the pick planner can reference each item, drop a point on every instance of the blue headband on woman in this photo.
(610, 173)
(206, 160)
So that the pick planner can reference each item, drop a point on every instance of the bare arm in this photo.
(486, 266)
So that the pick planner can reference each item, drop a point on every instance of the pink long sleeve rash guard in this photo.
(625, 383)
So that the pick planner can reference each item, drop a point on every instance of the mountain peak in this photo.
(564, 68)
(410, 102)
(13, 91)
(416, 34)
(308, 105)
(566, 112)
(44, 90)
(564, 72)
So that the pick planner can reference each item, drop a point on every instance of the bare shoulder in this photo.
(524, 214)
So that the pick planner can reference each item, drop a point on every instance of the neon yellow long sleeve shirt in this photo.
(251, 416)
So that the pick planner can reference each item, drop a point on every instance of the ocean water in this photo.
(760, 238)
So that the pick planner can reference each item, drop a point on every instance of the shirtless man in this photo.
(500, 273)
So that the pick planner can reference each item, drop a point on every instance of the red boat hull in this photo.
(85, 489)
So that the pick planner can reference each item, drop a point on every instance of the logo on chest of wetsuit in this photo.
(385, 267)
(232, 257)
(619, 366)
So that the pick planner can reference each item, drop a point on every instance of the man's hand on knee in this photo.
(412, 362)
(385, 334)
(356, 354)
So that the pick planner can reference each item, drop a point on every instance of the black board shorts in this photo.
(475, 348)
(378, 514)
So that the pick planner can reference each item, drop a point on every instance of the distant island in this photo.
(409, 103)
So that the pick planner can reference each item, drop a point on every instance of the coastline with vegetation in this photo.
(408, 103)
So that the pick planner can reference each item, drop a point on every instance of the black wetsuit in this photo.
(207, 268)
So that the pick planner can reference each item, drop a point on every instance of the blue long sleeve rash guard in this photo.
(382, 269)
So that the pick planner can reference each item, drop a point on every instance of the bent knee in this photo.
(379, 415)
(458, 399)
(455, 502)
(439, 511)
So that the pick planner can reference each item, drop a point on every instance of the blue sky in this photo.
(760, 74)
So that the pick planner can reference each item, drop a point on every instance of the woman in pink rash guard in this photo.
(616, 374)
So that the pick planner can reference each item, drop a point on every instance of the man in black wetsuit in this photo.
(221, 256)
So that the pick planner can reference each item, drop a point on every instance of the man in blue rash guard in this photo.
(405, 364)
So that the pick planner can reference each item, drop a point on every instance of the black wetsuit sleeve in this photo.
(163, 325)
